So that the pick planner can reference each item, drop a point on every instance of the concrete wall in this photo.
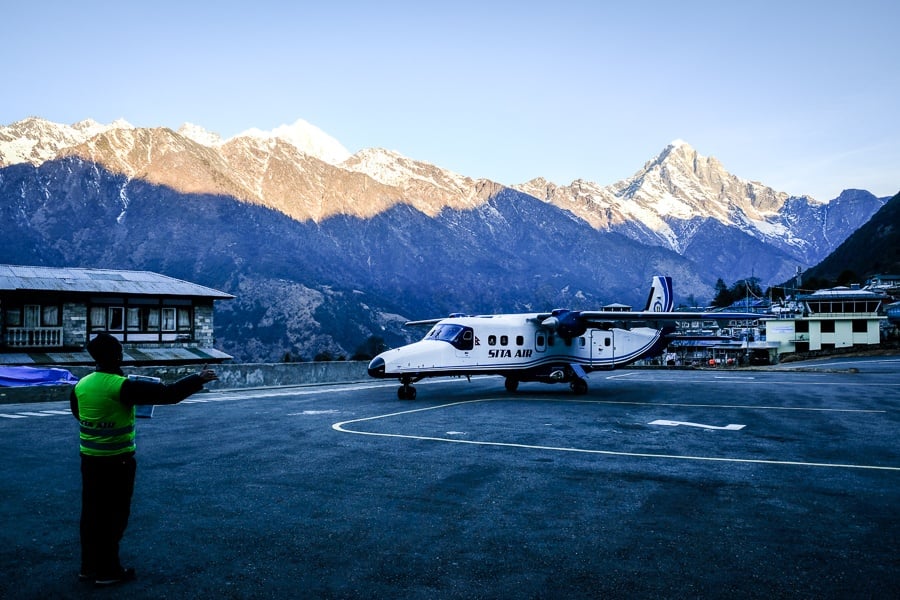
(235, 376)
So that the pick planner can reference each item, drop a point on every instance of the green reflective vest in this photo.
(107, 425)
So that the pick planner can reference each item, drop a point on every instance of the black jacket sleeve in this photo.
(148, 392)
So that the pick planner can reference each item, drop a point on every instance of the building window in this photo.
(860, 326)
(827, 326)
(98, 318)
(115, 318)
(133, 319)
(151, 322)
(184, 319)
(50, 316)
(32, 315)
(14, 317)
(168, 319)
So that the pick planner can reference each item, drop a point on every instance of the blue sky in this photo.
(800, 95)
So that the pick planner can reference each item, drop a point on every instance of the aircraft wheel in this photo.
(511, 384)
(579, 386)
(406, 392)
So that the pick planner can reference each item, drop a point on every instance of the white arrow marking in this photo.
(677, 423)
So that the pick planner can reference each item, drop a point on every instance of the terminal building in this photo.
(837, 318)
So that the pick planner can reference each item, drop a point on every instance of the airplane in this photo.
(560, 346)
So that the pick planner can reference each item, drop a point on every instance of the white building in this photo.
(836, 318)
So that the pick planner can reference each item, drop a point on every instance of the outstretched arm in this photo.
(147, 392)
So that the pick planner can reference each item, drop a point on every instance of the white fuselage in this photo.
(517, 342)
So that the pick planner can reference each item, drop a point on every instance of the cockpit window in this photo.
(460, 336)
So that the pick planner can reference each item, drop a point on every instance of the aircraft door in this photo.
(540, 341)
(602, 347)
(465, 343)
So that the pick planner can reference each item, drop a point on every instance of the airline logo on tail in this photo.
(661, 298)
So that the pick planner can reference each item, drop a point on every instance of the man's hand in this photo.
(208, 375)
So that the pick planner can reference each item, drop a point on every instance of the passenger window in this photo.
(606, 342)
(540, 340)
(492, 340)
(504, 340)
(520, 340)
(582, 341)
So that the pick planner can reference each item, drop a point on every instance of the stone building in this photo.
(47, 316)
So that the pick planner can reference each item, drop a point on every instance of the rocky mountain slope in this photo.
(873, 249)
(684, 201)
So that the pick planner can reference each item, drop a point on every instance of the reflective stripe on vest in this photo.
(107, 426)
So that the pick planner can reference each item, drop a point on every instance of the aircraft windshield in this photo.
(461, 337)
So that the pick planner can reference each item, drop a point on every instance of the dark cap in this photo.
(105, 349)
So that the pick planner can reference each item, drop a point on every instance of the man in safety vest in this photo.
(103, 402)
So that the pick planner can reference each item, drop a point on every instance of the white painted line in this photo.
(622, 375)
(342, 427)
(57, 412)
(825, 363)
(742, 406)
(35, 414)
(767, 382)
(700, 425)
(12, 416)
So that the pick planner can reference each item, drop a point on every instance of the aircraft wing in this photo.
(572, 323)
(423, 322)
(648, 315)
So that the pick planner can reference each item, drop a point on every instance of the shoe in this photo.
(116, 578)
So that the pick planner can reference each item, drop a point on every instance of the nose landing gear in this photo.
(406, 391)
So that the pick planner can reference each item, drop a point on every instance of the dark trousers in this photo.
(107, 483)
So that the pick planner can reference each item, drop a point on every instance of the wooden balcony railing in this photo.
(34, 337)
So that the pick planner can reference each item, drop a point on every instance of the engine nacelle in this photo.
(565, 323)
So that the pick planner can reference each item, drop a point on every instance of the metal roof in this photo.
(107, 281)
(130, 356)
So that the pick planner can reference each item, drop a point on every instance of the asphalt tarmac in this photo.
(656, 484)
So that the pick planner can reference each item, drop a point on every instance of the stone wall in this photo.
(237, 376)
(74, 324)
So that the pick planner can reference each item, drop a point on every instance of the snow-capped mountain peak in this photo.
(35, 140)
(430, 187)
(307, 138)
(200, 135)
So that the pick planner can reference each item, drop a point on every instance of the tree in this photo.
(369, 349)
(723, 296)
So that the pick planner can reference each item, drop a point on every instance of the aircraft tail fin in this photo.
(661, 298)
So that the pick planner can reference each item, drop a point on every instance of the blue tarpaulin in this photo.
(25, 376)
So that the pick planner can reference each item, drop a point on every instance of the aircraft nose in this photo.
(376, 367)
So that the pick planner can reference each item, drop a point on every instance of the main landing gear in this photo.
(577, 384)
